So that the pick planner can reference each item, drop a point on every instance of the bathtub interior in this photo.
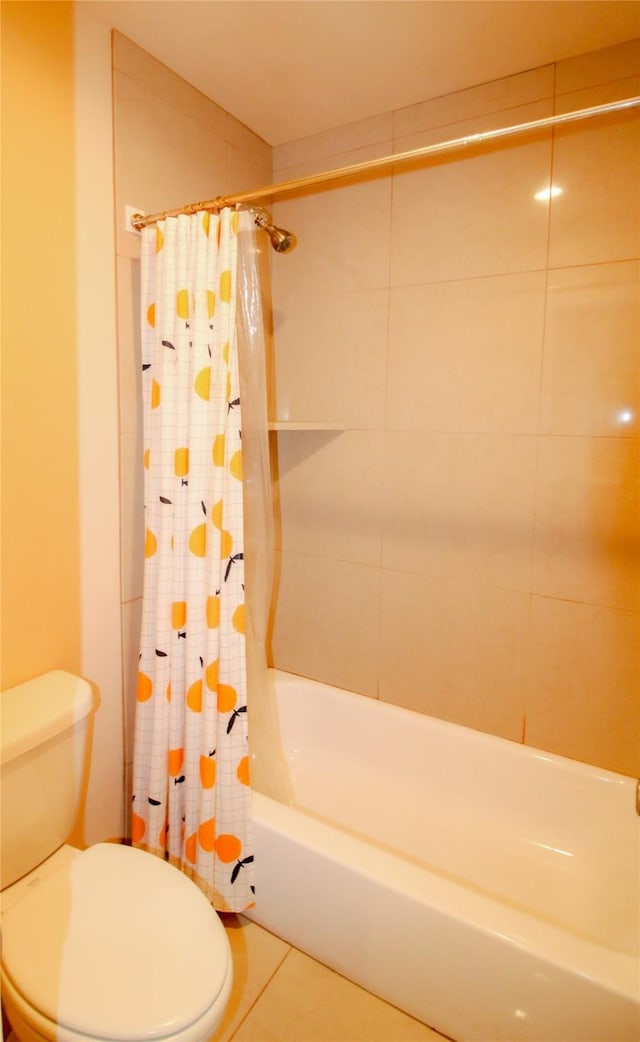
(550, 837)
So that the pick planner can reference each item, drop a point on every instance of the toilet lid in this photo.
(118, 944)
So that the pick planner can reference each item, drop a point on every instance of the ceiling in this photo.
(289, 68)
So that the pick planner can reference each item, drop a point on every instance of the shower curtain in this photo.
(191, 796)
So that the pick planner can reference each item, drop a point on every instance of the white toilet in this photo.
(110, 944)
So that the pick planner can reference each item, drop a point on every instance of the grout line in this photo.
(543, 360)
(385, 419)
(260, 993)
(528, 639)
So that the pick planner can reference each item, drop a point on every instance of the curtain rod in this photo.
(215, 205)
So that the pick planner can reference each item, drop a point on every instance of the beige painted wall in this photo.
(468, 547)
(172, 146)
(60, 538)
(40, 530)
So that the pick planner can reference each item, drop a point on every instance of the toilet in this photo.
(108, 944)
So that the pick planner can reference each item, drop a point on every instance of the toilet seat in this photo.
(76, 951)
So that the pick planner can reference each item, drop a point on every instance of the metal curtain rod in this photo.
(385, 162)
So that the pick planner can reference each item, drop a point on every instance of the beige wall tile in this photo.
(246, 172)
(587, 70)
(129, 352)
(127, 241)
(343, 240)
(466, 356)
(583, 688)
(330, 361)
(256, 955)
(131, 515)
(157, 79)
(330, 494)
(246, 141)
(460, 506)
(454, 651)
(587, 522)
(326, 164)
(163, 158)
(481, 123)
(333, 143)
(307, 1002)
(600, 94)
(485, 99)
(591, 359)
(174, 145)
(327, 624)
(597, 166)
(203, 158)
(473, 213)
(128, 792)
(131, 625)
(167, 173)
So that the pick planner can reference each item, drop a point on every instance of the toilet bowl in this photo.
(112, 944)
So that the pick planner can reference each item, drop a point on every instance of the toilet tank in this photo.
(44, 727)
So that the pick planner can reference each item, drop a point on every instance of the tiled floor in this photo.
(281, 995)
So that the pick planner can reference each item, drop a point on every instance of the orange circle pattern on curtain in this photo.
(191, 797)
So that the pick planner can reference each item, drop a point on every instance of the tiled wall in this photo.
(172, 146)
(468, 546)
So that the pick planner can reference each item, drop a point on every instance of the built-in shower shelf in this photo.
(304, 425)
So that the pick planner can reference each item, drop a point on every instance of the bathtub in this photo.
(488, 889)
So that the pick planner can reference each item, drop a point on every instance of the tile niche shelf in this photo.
(304, 425)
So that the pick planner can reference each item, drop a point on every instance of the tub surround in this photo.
(480, 507)
(467, 548)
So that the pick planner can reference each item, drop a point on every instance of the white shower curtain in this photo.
(191, 797)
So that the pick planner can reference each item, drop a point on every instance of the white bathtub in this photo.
(488, 889)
